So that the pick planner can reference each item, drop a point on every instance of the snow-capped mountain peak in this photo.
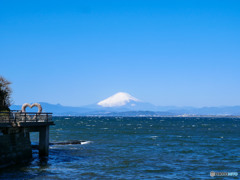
(117, 100)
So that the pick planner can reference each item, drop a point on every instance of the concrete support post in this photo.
(44, 141)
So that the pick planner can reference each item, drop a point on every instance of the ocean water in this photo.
(136, 148)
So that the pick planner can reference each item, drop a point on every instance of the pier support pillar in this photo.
(44, 141)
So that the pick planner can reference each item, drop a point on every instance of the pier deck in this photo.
(17, 121)
(20, 119)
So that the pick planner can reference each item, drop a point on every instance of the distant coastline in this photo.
(154, 116)
(160, 111)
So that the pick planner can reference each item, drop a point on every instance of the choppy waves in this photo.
(135, 148)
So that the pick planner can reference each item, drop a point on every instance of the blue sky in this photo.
(183, 53)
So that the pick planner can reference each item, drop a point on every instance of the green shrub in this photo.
(5, 94)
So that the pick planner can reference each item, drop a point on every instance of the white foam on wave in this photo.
(53, 147)
(153, 137)
(73, 148)
(86, 142)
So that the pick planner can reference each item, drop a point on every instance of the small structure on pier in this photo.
(21, 122)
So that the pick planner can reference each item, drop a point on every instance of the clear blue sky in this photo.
(183, 53)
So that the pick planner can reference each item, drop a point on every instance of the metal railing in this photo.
(24, 117)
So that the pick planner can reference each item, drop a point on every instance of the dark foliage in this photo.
(5, 94)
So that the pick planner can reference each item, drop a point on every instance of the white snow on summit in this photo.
(118, 99)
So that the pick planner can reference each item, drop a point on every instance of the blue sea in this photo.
(136, 148)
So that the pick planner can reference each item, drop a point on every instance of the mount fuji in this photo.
(124, 101)
(119, 99)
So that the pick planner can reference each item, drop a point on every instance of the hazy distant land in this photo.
(59, 110)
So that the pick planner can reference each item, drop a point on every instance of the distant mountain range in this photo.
(123, 104)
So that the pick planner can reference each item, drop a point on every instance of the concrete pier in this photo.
(44, 141)
(18, 124)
